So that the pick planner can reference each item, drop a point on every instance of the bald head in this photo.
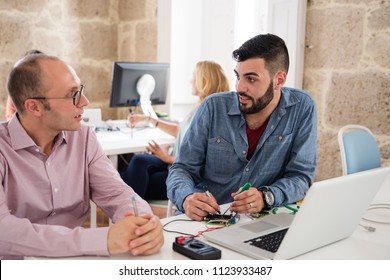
(32, 75)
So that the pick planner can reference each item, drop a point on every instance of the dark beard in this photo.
(260, 103)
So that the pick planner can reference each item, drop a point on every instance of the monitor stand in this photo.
(145, 88)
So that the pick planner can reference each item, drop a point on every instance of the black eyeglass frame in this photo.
(76, 96)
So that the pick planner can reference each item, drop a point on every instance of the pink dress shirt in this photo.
(44, 200)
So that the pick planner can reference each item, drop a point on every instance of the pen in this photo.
(209, 195)
(245, 187)
(131, 125)
(134, 206)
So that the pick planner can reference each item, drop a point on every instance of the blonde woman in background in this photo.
(147, 173)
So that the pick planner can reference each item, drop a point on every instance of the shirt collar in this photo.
(234, 109)
(287, 98)
(21, 140)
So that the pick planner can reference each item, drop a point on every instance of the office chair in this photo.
(164, 204)
(358, 148)
(170, 208)
(93, 215)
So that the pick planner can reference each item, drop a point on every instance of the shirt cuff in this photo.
(93, 241)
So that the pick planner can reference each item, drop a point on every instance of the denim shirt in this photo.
(215, 147)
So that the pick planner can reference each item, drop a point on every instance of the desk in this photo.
(361, 244)
(119, 142)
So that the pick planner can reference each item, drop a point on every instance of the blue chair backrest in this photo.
(361, 151)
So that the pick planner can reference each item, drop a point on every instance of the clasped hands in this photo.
(138, 235)
(199, 205)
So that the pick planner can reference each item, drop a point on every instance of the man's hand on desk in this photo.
(250, 201)
(198, 205)
(137, 235)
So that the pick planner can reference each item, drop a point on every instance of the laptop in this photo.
(331, 211)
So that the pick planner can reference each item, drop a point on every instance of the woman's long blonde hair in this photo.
(210, 78)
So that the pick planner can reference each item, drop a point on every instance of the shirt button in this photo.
(244, 152)
(53, 213)
(56, 189)
(37, 150)
(218, 140)
(280, 138)
(247, 169)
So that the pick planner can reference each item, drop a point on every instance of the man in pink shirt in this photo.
(50, 168)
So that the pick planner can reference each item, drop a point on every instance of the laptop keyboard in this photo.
(269, 242)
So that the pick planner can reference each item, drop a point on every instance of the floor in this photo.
(102, 219)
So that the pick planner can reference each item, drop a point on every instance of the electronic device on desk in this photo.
(92, 117)
(137, 83)
(195, 249)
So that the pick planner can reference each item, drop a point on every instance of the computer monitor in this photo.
(130, 80)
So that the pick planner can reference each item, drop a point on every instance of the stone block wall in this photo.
(347, 69)
(347, 66)
(88, 34)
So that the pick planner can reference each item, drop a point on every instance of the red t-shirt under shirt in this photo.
(254, 137)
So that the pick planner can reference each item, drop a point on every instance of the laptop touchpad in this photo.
(258, 227)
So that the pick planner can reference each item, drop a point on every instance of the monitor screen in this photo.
(125, 76)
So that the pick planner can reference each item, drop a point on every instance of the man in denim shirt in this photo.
(264, 134)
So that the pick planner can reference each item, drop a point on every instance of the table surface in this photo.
(127, 140)
(362, 244)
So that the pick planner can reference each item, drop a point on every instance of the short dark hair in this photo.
(33, 51)
(25, 80)
(269, 47)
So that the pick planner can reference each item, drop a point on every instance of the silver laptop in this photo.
(331, 211)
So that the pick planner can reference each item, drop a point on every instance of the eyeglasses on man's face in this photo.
(76, 96)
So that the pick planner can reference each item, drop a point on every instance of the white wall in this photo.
(212, 29)
(292, 29)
